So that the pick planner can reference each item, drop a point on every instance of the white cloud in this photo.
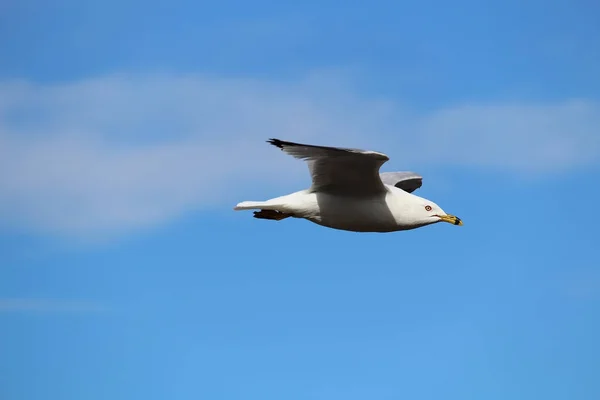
(116, 153)
(522, 138)
(48, 306)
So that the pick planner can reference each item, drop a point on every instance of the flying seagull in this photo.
(349, 193)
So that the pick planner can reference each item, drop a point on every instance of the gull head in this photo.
(426, 212)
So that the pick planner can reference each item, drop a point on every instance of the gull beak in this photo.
(450, 219)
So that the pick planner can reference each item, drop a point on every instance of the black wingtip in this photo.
(276, 142)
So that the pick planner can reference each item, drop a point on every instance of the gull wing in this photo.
(405, 180)
(339, 170)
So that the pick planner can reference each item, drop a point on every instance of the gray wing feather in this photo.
(405, 180)
(337, 169)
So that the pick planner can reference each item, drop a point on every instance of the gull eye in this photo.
(428, 208)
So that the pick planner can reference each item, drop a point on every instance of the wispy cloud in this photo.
(122, 152)
(48, 306)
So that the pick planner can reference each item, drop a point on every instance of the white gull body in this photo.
(349, 193)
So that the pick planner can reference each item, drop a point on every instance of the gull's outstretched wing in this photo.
(405, 180)
(339, 170)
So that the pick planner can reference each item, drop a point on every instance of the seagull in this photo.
(349, 193)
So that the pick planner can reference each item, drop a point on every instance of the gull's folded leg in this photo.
(271, 214)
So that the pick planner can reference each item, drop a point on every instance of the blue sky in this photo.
(129, 130)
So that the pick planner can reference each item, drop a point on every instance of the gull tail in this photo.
(268, 209)
(254, 205)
